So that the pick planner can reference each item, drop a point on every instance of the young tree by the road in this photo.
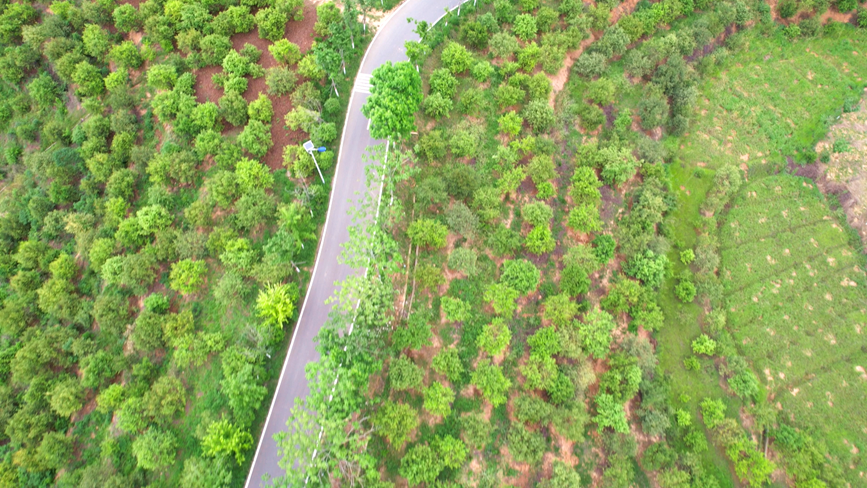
(395, 97)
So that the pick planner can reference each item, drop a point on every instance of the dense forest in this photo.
(159, 220)
(596, 262)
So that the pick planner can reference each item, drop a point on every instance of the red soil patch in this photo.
(301, 33)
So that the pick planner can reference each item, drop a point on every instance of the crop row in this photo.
(765, 258)
(793, 328)
(748, 224)
(768, 208)
(831, 406)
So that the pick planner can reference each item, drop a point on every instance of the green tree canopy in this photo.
(395, 97)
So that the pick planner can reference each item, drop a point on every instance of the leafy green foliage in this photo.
(438, 399)
(395, 421)
(489, 379)
(404, 374)
(520, 275)
(609, 413)
(188, 276)
(395, 95)
(456, 58)
(448, 363)
(526, 446)
(495, 337)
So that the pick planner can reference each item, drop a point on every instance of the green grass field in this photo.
(795, 293)
(775, 98)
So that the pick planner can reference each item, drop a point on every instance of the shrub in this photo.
(504, 45)
(126, 18)
(489, 379)
(476, 430)
(539, 87)
(584, 218)
(214, 48)
(788, 8)
(456, 58)
(792, 31)
(437, 106)
(510, 123)
(256, 138)
(537, 213)
(540, 241)
(609, 413)
(187, 276)
(704, 345)
(591, 65)
(395, 421)
(495, 337)
(687, 257)
(843, 6)
(652, 109)
(574, 280)
(539, 115)
(507, 95)
(126, 55)
(685, 291)
(154, 449)
(526, 446)
(272, 23)
(648, 267)
(428, 233)
(595, 333)
(525, 27)
(520, 275)
(162, 76)
(604, 246)
(482, 71)
(529, 57)
(261, 109)
(532, 409)
(713, 412)
(475, 34)
(89, 79)
(285, 52)
(417, 332)
(448, 364)
(420, 465)
(44, 90)
(438, 399)
(463, 259)
(442, 81)
(403, 374)
(810, 27)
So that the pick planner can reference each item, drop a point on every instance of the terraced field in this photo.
(797, 308)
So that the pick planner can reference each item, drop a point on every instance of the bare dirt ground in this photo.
(301, 33)
(845, 175)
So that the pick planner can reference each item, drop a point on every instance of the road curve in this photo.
(349, 181)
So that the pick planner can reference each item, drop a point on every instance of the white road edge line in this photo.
(321, 240)
(324, 230)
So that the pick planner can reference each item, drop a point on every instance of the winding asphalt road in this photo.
(348, 183)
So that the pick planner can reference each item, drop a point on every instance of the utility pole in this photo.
(310, 148)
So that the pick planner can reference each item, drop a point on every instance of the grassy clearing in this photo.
(772, 98)
(775, 98)
(795, 293)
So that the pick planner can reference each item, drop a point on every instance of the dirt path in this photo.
(558, 81)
